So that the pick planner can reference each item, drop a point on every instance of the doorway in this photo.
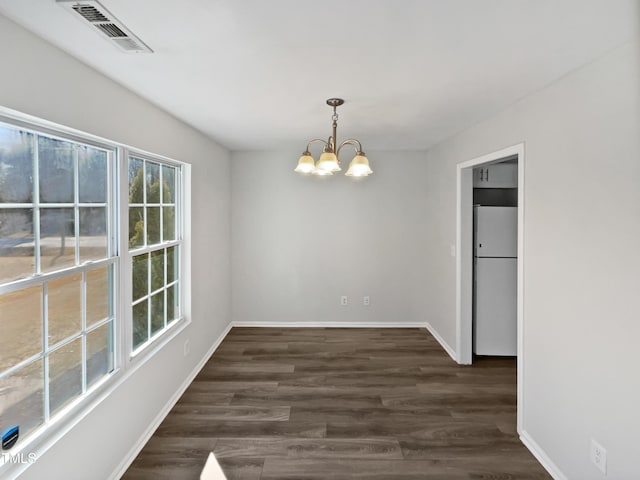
(464, 259)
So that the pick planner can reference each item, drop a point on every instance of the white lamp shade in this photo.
(328, 162)
(359, 166)
(305, 164)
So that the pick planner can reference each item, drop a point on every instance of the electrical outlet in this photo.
(187, 348)
(343, 300)
(366, 301)
(599, 456)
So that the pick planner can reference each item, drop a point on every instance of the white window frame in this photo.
(161, 337)
(125, 362)
(53, 422)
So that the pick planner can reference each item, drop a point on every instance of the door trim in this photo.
(464, 260)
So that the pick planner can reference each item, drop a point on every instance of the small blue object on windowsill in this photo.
(10, 437)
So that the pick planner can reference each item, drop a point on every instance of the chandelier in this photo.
(329, 161)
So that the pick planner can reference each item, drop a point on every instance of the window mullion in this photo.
(144, 200)
(36, 205)
(124, 328)
(115, 218)
(45, 349)
(160, 195)
(11, 206)
(37, 280)
(179, 202)
(166, 260)
(76, 201)
(148, 255)
(111, 225)
(179, 294)
(84, 330)
(153, 248)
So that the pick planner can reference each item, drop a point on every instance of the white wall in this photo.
(300, 242)
(41, 80)
(581, 263)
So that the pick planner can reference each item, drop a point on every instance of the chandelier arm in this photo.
(352, 142)
(315, 140)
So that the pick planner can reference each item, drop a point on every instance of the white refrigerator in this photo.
(495, 280)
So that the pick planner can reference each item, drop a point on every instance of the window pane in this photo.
(136, 180)
(152, 221)
(22, 400)
(92, 175)
(97, 295)
(99, 353)
(16, 166)
(55, 159)
(153, 182)
(16, 244)
(157, 270)
(157, 312)
(69, 174)
(168, 223)
(65, 375)
(140, 324)
(20, 326)
(93, 233)
(57, 240)
(172, 303)
(64, 297)
(169, 181)
(136, 227)
(172, 264)
(140, 274)
(153, 225)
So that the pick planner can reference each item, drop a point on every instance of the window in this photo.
(88, 277)
(154, 244)
(57, 268)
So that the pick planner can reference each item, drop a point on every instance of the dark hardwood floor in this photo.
(339, 403)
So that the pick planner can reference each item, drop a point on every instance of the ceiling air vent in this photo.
(101, 19)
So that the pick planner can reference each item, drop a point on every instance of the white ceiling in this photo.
(255, 74)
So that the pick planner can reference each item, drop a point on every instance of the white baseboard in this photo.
(443, 344)
(542, 457)
(144, 438)
(329, 324)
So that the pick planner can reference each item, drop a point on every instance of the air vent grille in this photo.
(102, 20)
(92, 14)
(111, 30)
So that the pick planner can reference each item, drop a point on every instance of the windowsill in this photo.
(158, 341)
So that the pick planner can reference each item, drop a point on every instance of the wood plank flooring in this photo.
(339, 403)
